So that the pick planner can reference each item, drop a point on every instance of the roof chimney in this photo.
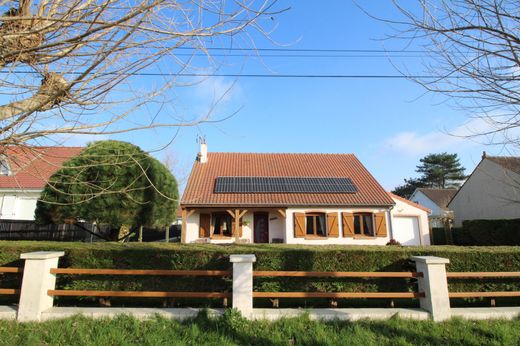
(203, 152)
(483, 155)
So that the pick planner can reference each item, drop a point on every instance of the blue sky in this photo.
(388, 123)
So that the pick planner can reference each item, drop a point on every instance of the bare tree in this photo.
(473, 57)
(75, 66)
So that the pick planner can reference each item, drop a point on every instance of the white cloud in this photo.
(217, 90)
(414, 143)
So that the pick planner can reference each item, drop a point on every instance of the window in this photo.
(4, 167)
(222, 224)
(315, 224)
(364, 224)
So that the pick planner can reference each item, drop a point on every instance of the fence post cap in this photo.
(430, 259)
(41, 255)
(242, 258)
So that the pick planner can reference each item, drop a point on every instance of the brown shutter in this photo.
(204, 225)
(380, 219)
(299, 225)
(332, 225)
(348, 224)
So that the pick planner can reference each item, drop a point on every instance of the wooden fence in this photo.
(431, 281)
(29, 230)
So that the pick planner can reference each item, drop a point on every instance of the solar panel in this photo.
(284, 185)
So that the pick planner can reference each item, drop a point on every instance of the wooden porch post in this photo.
(237, 215)
(185, 214)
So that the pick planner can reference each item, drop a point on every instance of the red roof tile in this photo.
(200, 188)
(31, 167)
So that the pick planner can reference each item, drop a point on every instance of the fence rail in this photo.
(155, 272)
(469, 275)
(261, 273)
(11, 270)
(484, 294)
(391, 295)
(135, 294)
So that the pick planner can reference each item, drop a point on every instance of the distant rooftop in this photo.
(441, 197)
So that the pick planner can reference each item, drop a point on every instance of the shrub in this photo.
(488, 232)
(269, 257)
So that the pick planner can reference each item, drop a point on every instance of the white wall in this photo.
(419, 197)
(491, 192)
(403, 209)
(18, 205)
(276, 226)
(339, 240)
(283, 228)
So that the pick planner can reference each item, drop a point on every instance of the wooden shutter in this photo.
(204, 225)
(348, 224)
(299, 225)
(332, 225)
(380, 219)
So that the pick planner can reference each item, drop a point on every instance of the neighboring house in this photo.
(437, 201)
(24, 171)
(491, 192)
(294, 199)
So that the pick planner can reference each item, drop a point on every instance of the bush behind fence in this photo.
(270, 258)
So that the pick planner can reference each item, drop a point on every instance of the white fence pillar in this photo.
(243, 283)
(37, 280)
(434, 284)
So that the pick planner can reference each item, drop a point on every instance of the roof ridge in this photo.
(502, 157)
(276, 153)
(45, 146)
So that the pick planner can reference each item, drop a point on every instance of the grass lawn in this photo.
(232, 329)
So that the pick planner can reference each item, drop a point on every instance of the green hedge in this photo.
(488, 233)
(269, 257)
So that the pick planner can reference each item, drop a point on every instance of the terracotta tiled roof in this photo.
(511, 163)
(413, 204)
(200, 188)
(441, 197)
(31, 167)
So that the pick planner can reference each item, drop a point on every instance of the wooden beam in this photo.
(185, 215)
(337, 295)
(231, 212)
(149, 294)
(482, 274)
(190, 212)
(11, 270)
(484, 294)
(237, 225)
(158, 272)
(242, 213)
(282, 212)
(263, 273)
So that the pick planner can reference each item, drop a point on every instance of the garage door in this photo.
(406, 230)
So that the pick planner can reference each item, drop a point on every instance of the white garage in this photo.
(409, 222)
(406, 229)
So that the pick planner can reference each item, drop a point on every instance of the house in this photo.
(491, 192)
(294, 199)
(24, 171)
(437, 201)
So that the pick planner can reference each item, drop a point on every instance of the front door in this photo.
(261, 227)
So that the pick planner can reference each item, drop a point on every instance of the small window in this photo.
(4, 167)
(364, 224)
(222, 224)
(315, 224)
